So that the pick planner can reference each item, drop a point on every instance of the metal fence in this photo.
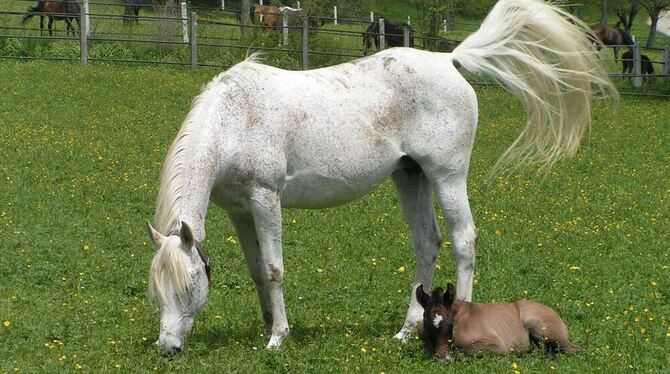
(176, 35)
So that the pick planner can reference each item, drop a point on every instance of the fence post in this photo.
(666, 61)
(305, 44)
(86, 19)
(335, 14)
(83, 39)
(409, 21)
(194, 40)
(284, 27)
(223, 4)
(405, 36)
(184, 21)
(372, 16)
(637, 71)
(382, 33)
(444, 25)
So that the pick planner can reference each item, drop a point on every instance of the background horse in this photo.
(499, 328)
(131, 11)
(266, 15)
(259, 139)
(646, 67)
(614, 37)
(394, 35)
(65, 10)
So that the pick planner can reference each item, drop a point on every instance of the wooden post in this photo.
(335, 14)
(382, 33)
(83, 39)
(666, 61)
(284, 27)
(372, 16)
(86, 19)
(637, 71)
(194, 40)
(184, 21)
(405, 36)
(223, 4)
(305, 44)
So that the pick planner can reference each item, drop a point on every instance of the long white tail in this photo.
(543, 56)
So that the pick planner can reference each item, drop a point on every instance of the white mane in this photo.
(172, 176)
(170, 267)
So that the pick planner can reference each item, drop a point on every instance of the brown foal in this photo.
(498, 328)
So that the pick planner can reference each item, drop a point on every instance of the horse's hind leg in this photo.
(416, 198)
(246, 232)
(546, 328)
(266, 211)
(451, 191)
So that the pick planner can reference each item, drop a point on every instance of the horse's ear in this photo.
(421, 296)
(186, 235)
(155, 237)
(449, 296)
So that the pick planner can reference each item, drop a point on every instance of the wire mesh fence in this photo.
(175, 34)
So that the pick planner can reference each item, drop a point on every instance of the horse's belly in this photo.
(319, 188)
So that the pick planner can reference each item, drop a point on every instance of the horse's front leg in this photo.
(51, 23)
(246, 232)
(415, 194)
(266, 211)
(453, 197)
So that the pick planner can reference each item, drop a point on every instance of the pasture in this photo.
(80, 155)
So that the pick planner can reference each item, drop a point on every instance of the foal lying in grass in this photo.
(498, 328)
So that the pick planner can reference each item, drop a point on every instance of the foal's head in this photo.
(438, 320)
(179, 280)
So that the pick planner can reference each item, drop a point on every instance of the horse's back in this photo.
(342, 130)
(490, 328)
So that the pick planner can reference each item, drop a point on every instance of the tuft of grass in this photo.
(80, 155)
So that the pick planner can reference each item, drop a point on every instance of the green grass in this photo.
(80, 155)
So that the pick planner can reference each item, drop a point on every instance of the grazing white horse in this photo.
(259, 139)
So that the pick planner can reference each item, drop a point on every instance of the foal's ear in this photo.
(421, 296)
(155, 237)
(449, 295)
(186, 235)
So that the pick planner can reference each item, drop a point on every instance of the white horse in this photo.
(259, 139)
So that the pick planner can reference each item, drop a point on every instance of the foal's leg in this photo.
(452, 194)
(415, 193)
(266, 210)
(246, 232)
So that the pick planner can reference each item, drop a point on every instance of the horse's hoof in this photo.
(403, 335)
(275, 342)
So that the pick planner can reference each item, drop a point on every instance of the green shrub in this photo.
(58, 48)
(13, 47)
(114, 51)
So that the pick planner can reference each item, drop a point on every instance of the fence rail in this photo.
(194, 38)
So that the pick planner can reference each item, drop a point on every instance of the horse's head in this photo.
(179, 280)
(438, 320)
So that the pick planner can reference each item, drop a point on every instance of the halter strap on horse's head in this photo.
(203, 256)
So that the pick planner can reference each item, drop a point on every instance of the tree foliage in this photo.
(655, 8)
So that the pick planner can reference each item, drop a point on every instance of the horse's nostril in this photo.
(174, 350)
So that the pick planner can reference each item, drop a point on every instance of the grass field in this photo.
(80, 155)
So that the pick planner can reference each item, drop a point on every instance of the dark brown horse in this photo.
(497, 328)
(614, 37)
(131, 12)
(65, 10)
(394, 35)
(646, 67)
